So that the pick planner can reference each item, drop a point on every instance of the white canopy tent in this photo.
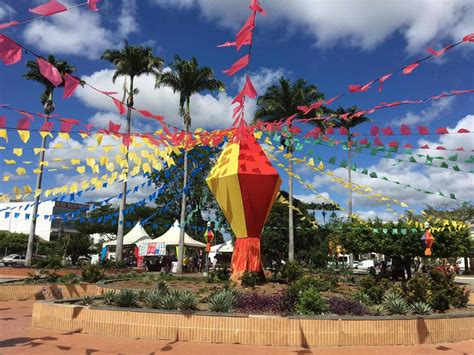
(171, 237)
(226, 247)
(136, 234)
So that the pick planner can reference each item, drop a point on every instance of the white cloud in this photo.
(207, 111)
(81, 32)
(180, 4)
(371, 214)
(6, 11)
(362, 24)
(433, 112)
(322, 197)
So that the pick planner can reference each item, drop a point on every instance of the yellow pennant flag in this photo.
(321, 166)
(6, 178)
(38, 150)
(4, 135)
(18, 151)
(98, 138)
(9, 161)
(37, 192)
(43, 134)
(37, 170)
(64, 135)
(84, 135)
(110, 166)
(75, 161)
(27, 189)
(24, 135)
(20, 171)
(81, 169)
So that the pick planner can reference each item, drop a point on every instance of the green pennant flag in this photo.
(332, 160)
(470, 160)
(452, 196)
(373, 151)
(276, 138)
(373, 175)
(414, 230)
(408, 151)
(456, 168)
(385, 178)
(365, 171)
(384, 231)
(354, 167)
(403, 231)
(441, 194)
(395, 231)
(380, 148)
(412, 159)
(299, 146)
(388, 155)
(358, 149)
(343, 164)
(444, 165)
(310, 152)
(375, 230)
(394, 149)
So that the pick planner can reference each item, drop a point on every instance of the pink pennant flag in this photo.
(382, 79)
(249, 89)
(238, 65)
(239, 98)
(440, 52)
(440, 147)
(70, 85)
(255, 6)
(304, 109)
(50, 8)
(3, 121)
(330, 130)
(151, 115)
(23, 123)
(354, 87)
(8, 24)
(463, 130)
(423, 130)
(377, 141)
(120, 106)
(441, 130)
(409, 68)
(47, 126)
(387, 131)
(72, 121)
(374, 130)
(343, 131)
(405, 130)
(114, 128)
(426, 146)
(245, 33)
(364, 141)
(10, 51)
(408, 146)
(468, 38)
(93, 5)
(316, 105)
(126, 139)
(393, 144)
(65, 127)
(226, 44)
(331, 100)
(49, 71)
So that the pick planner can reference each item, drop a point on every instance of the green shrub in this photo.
(310, 302)
(460, 297)
(221, 274)
(444, 292)
(373, 288)
(109, 297)
(298, 287)
(418, 288)
(126, 298)
(439, 299)
(162, 287)
(69, 278)
(378, 310)
(87, 300)
(154, 299)
(54, 262)
(172, 300)
(292, 271)
(222, 301)
(395, 304)
(92, 273)
(249, 279)
(421, 308)
(363, 298)
(188, 301)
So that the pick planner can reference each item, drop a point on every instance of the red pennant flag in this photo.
(93, 5)
(330, 130)
(364, 141)
(239, 98)
(393, 144)
(245, 33)
(331, 100)
(148, 114)
(440, 52)
(422, 130)
(426, 146)
(374, 130)
(440, 147)
(468, 38)
(69, 120)
(23, 123)
(238, 65)
(47, 126)
(442, 130)
(460, 149)
(409, 68)
(249, 89)
(377, 141)
(8, 24)
(316, 105)
(387, 131)
(343, 131)
(408, 146)
(114, 128)
(65, 127)
(10, 51)
(50, 8)
(354, 87)
(405, 130)
(70, 85)
(49, 71)
(120, 106)
(367, 86)
(3, 121)
(126, 139)
(382, 79)
(255, 6)
(463, 130)
(304, 109)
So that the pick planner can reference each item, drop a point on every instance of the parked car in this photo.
(367, 264)
(355, 264)
(14, 260)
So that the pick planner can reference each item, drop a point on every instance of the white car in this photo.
(366, 264)
(14, 260)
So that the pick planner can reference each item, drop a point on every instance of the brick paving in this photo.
(17, 336)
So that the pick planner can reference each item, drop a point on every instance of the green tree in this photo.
(277, 104)
(47, 100)
(348, 124)
(187, 78)
(130, 62)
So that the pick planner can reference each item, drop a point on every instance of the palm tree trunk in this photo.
(182, 220)
(349, 172)
(123, 201)
(39, 180)
(291, 237)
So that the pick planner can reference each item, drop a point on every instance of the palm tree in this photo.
(130, 62)
(46, 98)
(348, 123)
(278, 103)
(187, 78)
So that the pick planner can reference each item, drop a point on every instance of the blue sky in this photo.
(329, 43)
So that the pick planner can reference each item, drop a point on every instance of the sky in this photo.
(328, 43)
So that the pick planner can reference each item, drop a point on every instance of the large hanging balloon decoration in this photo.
(428, 241)
(245, 185)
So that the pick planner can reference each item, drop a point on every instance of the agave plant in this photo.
(395, 304)
(421, 308)
(162, 287)
(127, 298)
(222, 301)
(188, 301)
(142, 294)
(109, 297)
(363, 298)
(170, 302)
(154, 299)
(378, 310)
(87, 300)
